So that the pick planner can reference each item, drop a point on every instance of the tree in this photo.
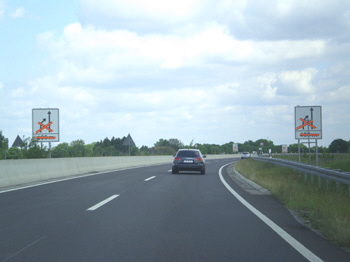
(32, 149)
(293, 148)
(202, 148)
(144, 151)
(339, 146)
(163, 150)
(162, 142)
(61, 150)
(109, 147)
(89, 150)
(227, 148)
(174, 143)
(36, 152)
(106, 142)
(14, 153)
(209, 148)
(118, 144)
(264, 144)
(77, 148)
(98, 149)
(111, 151)
(4, 145)
(134, 151)
(4, 142)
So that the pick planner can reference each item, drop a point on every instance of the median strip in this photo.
(93, 208)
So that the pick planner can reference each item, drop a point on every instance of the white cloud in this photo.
(18, 13)
(137, 14)
(298, 82)
(18, 93)
(213, 67)
(290, 49)
(277, 20)
(152, 9)
(2, 8)
(341, 94)
(291, 19)
(108, 61)
(267, 81)
(88, 54)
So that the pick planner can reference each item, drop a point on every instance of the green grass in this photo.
(326, 209)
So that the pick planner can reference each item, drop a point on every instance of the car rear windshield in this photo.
(188, 153)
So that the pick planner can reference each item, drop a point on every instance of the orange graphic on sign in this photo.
(309, 134)
(306, 124)
(47, 126)
(45, 137)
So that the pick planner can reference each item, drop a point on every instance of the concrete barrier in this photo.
(16, 172)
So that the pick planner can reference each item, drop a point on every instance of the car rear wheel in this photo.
(174, 171)
(203, 171)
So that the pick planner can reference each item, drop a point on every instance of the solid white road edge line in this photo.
(288, 238)
(148, 179)
(102, 203)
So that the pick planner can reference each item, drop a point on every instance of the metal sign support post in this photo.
(299, 151)
(316, 153)
(308, 141)
(49, 149)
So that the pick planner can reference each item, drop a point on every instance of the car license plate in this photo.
(188, 161)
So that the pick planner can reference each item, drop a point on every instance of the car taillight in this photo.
(177, 158)
(199, 159)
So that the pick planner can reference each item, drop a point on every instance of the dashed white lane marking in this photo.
(150, 178)
(93, 208)
(283, 234)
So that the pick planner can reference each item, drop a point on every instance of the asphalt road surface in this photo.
(149, 214)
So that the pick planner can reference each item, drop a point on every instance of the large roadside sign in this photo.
(284, 148)
(308, 122)
(45, 124)
(235, 148)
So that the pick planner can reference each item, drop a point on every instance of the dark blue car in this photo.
(188, 160)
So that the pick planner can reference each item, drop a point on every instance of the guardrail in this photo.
(338, 176)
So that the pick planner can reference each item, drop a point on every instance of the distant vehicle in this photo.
(188, 160)
(245, 155)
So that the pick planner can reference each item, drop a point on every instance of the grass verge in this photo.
(325, 210)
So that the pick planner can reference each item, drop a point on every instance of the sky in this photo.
(209, 71)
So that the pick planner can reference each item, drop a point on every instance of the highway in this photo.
(149, 214)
